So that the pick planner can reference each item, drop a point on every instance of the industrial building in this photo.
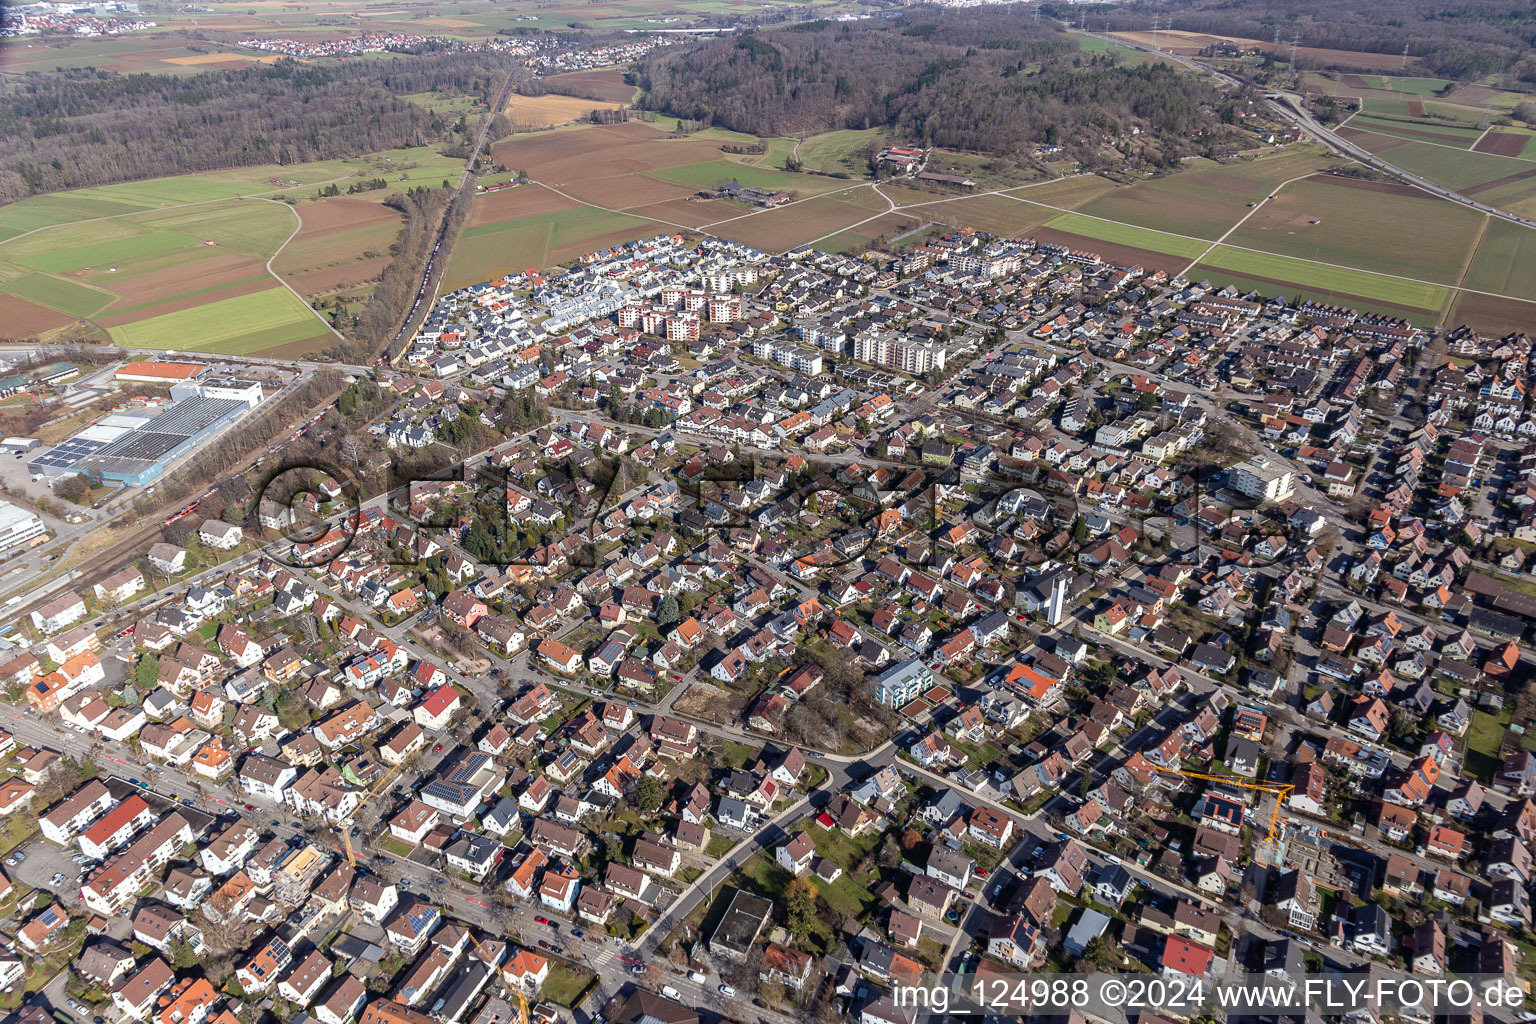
(134, 449)
(18, 526)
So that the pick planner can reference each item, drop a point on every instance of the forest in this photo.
(990, 80)
(1462, 39)
(79, 127)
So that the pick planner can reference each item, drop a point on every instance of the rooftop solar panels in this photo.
(65, 454)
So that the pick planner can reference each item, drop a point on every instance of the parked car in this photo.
(727, 991)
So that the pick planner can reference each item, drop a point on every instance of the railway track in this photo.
(426, 292)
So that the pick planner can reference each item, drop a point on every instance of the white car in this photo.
(727, 991)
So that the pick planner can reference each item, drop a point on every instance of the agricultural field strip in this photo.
(1246, 248)
(162, 209)
(1006, 192)
(1244, 219)
(297, 227)
(1426, 142)
(797, 202)
(893, 209)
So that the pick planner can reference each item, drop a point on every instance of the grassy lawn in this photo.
(839, 151)
(843, 849)
(1485, 736)
(737, 755)
(849, 897)
(565, 983)
(394, 846)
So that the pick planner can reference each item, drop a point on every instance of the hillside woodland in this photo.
(991, 80)
(1462, 39)
(79, 127)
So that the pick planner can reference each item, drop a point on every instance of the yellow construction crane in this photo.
(512, 985)
(1279, 789)
(346, 832)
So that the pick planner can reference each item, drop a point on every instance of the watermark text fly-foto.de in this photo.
(1117, 995)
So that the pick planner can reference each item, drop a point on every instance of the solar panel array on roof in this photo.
(137, 452)
(65, 454)
(190, 415)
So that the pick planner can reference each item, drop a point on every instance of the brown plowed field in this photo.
(1492, 315)
(788, 226)
(315, 282)
(550, 110)
(159, 285)
(20, 318)
(1508, 179)
(188, 302)
(604, 85)
(1500, 144)
(345, 213)
(1415, 108)
(513, 203)
(601, 151)
(623, 191)
(1354, 82)
(694, 213)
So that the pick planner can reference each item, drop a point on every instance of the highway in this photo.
(1291, 107)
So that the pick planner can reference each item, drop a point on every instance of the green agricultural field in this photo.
(1245, 284)
(1505, 262)
(487, 251)
(46, 211)
(235, 326)
(839, 152)
(1284, 270)
(1127, 234)
(711, 172)
(726, 136)
(252, 227)
(1454, 170)
(1204, 199)
(1413, 86)
(1472, 116)
(776, 157)
(1339, 221)
(1395, 106)
(1437, 132)
(66, 296)
(99, 255)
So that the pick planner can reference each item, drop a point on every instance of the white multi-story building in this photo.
(805, 361)
(902, 683)
(17, 525)
(896, 352)
(1262, 479)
